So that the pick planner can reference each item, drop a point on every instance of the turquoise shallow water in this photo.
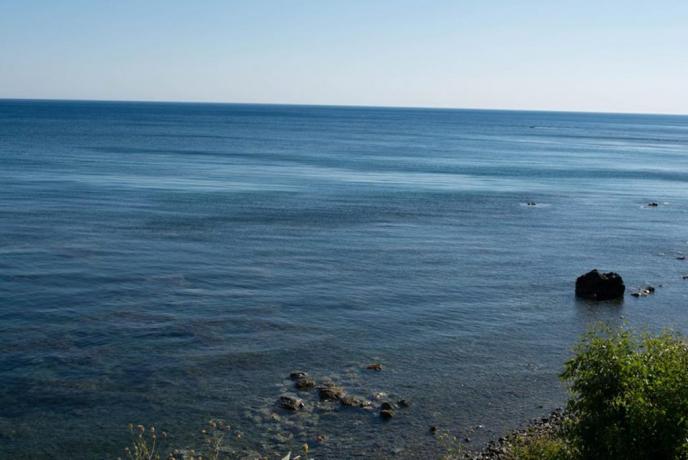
(169, 263)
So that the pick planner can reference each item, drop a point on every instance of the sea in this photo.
(170, 264)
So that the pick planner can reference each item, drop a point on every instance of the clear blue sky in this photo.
(595, 55)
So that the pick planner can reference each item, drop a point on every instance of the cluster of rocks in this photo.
(610, 286)
(607, 286)
(651, 204)
(331, 392)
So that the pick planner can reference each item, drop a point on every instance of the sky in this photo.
(583, 55)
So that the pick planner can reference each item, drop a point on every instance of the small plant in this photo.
(145, 443)
(451, 446)
(214, 436)
(629, 396)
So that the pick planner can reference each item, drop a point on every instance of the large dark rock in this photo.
(600, 286)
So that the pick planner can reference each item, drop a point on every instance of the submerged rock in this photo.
(387, 410)
(600, 286)
(374, 367)
(305, 383)
(291, 403)
(183, 454)
(652, 204)
(353, 401)
(387, 406)
(330, 392)
(404, 403)
(386, 413)
(296, 375)
(644, 292)
(531, 203)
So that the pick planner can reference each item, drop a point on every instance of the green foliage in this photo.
(630, 396)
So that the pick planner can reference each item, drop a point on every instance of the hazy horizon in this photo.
(616, 57)
(401, 107)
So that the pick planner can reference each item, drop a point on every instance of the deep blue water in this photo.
(170, 263)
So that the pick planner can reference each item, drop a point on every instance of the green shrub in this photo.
(629, 396)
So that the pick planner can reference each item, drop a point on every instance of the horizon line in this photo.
(352, 106)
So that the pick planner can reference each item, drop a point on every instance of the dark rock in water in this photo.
(600, 286)
(685, 277)
(330, 393)
(305, 383)
(681, 258)
(531, 203)
(386, 413)
(387, 406)
(404, 403)
(349, 401)
(296, 375)
(375, 367)
(353, 401)
(291, 403)
(652, 205)
(433, 429)
(644, 292)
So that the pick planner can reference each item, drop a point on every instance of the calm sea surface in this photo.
(173, 263)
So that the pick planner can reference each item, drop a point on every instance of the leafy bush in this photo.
(630, 396)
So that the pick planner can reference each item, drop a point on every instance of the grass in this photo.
(149, 444)
(542, 447)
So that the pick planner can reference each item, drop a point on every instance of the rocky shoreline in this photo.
(502, 448)
(310, 396)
